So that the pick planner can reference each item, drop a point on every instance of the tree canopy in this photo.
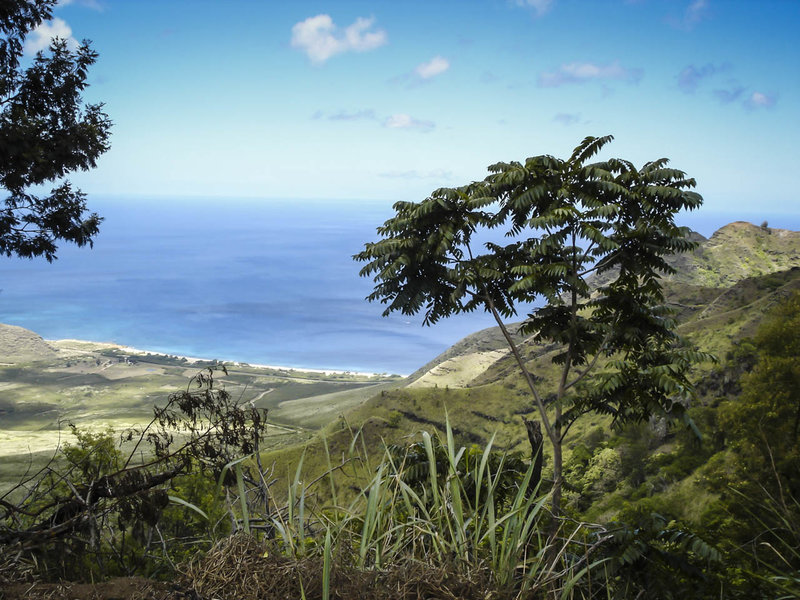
(46, 132)
(590, 240)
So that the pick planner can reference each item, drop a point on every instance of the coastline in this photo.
(90, 344)
(102, 386)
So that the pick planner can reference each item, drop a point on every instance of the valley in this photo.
(44, 385)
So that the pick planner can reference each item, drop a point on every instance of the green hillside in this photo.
(721, 293)
(737, 251)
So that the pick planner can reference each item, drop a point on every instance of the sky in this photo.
(389, 100)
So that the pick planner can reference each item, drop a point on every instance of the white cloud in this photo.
(404, 121)
(567, 118)
(578, 72)
(41, 37)
(321, 39)
(760, 100)
(539, 6)
(435, 66)
(695, 12)
(414, 174)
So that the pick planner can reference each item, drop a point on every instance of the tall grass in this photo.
(455, 515)
(777, 548)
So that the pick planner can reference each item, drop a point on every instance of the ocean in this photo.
(257, 281)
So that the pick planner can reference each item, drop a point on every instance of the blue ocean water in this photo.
(260, 281)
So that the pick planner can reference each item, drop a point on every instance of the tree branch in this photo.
(521, 363)
(591, 365)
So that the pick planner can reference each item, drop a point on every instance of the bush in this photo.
(93, 512)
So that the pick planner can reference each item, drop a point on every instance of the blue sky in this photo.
(389, 100)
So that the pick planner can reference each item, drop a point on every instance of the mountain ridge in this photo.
(734, 253)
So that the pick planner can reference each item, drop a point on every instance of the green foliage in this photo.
(654, 557)
(779, 556)
(393, 420)
(622, 216)
(201, 518)
(47, 132)
(591, 240)
(433, 502)
(466, 508)
(79, 547)
(413, 462)
(603, 472)
(763, 424)
(94, 455)
(97, 512)
(759, 511)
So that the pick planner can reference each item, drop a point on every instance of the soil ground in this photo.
(123, 588)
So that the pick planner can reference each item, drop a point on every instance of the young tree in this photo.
(46, 132)
(566, 221)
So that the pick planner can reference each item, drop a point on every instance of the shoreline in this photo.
(195, 359)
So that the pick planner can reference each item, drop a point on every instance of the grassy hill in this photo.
(21, 345)
(721, 292)
(737, 251)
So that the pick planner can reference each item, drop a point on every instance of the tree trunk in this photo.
(557, 479)
(558, 467)
(536, 440)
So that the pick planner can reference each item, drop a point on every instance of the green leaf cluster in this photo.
(759, 509)
(46, 132)
(587, 242)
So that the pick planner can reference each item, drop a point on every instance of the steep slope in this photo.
(703, 286)
(721, 291)
(737, 251)
(465, 360)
